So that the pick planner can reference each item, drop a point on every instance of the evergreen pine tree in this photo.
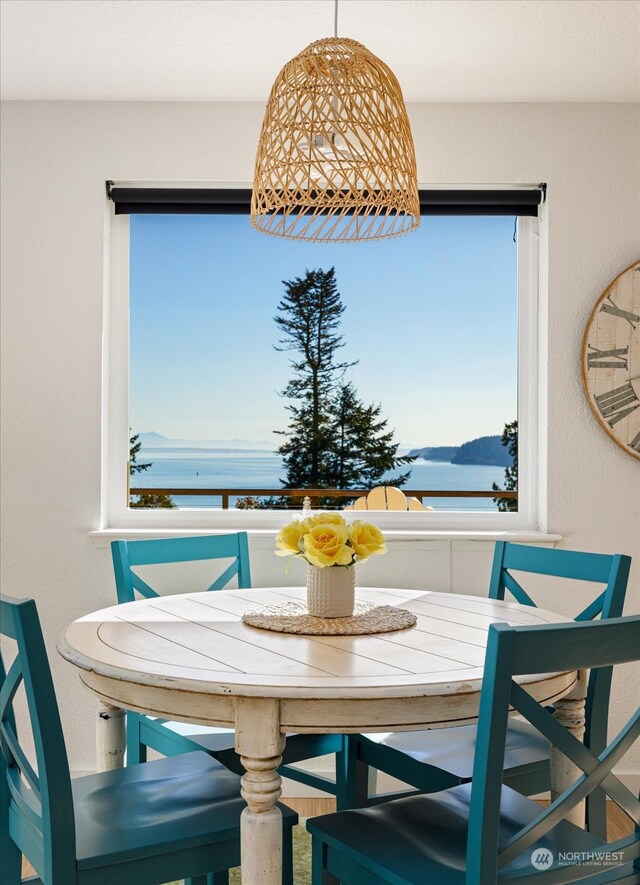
(362, 448)
(134, 447)
(309, 319)
(510, 439)
(333, 440)
(145, 502)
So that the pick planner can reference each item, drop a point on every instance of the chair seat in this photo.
(452, 749)
(200, 736)
(220, 742)
(147, 809)
(430, 835)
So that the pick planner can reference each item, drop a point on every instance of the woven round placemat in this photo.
(294, 617)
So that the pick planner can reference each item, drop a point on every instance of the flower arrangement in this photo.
(327, 540)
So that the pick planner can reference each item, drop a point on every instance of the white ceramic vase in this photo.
(331, 591)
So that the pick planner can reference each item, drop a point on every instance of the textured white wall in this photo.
(55, 159)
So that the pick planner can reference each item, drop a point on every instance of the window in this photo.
(434, 346)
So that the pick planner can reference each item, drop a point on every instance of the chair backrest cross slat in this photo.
(598, 568)
(612, 571)
(39, 801)
(516, 590)
(544, 649)
(227, 575)
(141, 587)
(597, 774)
(572, 748)
(162, 551)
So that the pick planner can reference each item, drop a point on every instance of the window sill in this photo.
(396, 540)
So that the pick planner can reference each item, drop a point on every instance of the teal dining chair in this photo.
(484, 832)
(170, 738)
(148, 824)
(434, 760)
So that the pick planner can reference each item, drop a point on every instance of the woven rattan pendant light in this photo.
(335, 160)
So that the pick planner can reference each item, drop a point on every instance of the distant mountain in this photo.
(152, 440)
(436, 453)
(484, 450)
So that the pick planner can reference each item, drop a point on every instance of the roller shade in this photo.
(236, 201)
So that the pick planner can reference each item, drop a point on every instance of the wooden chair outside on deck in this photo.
(386, 498)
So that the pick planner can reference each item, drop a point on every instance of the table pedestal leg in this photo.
(570, 713)
(260, 744)
(110, 738)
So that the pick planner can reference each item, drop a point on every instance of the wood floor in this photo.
(311, 807)
(619, 824)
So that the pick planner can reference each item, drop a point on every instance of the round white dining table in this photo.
(190, 657)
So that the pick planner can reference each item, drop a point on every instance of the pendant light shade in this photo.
(335, 160)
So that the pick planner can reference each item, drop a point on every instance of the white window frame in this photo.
(117, 517)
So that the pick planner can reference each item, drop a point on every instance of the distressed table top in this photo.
(197, 643)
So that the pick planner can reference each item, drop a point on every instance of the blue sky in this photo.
(431, 317)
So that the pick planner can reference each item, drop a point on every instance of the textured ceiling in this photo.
(231, 50)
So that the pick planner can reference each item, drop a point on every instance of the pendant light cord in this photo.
(335, 20)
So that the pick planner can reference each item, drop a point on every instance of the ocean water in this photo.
(208, 468)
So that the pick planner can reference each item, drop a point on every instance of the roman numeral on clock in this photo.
(614, 405)
(635, 443)
(596, 359)
(632, 318)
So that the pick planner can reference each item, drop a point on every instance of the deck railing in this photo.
(297, 495)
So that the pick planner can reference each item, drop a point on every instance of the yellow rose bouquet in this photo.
(326, 540)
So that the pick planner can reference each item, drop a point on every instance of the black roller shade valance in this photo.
(237, 201)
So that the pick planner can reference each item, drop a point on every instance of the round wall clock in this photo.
(611, 360)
